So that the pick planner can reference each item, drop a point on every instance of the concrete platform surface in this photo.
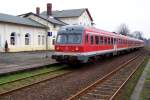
(12, 62)
(140, 85)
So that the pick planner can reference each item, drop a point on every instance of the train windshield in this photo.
(69, 39)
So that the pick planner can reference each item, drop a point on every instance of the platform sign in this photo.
(49, 33)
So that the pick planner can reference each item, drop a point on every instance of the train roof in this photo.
(80, 28)
(111, 33)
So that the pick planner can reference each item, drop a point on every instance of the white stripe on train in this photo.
(93, 52)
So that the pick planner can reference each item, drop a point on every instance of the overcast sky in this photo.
(107, 14)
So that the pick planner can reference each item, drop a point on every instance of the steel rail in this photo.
(32, 76)
(90, 87)
(22, 87)
(115, 94)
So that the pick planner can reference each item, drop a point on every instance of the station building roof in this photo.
(5, 18)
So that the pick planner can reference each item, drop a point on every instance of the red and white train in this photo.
(76, 43)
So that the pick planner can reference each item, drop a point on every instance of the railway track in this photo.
(53, 74)
(109, 86)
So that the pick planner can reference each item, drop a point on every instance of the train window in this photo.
(101, 39)
(86, 38)
(112, 41)
(118, 41)
(109, 40)
(105, 40)
(97, 39)
(92, 39)
(115, 41)
(75, 39)
(62, 39)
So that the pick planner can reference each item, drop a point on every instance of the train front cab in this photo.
(69, 45)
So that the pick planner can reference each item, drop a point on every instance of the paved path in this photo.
(10, 62)
(140, 84)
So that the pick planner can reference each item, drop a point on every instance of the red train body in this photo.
(80, 44)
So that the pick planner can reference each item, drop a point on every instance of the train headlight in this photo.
(57, 48)
(76, 48)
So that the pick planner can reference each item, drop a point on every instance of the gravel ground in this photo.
(63, 87)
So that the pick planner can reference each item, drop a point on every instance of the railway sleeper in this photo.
(114, 82)
(103, 92)
(106, 89)
(92, 96)
(88, 98)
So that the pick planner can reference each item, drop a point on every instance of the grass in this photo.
(29, 81)
(20, 75)
(127, 90)
(145, 94)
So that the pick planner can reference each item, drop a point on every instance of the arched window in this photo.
(39, 39)
(27, 39)
(43, 39)
(12, 38)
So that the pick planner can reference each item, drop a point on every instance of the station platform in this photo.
(13, 62)
(142, 89)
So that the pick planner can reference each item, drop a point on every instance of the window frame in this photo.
(96, 39)
(39, 39)
(91, 39)
(27, 39)
(101, 40)
(13, 38)
(105, 40)
(86, 38)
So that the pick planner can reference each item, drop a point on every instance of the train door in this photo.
(115, 44)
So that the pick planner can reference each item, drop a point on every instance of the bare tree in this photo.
(138, 34)
(123, 29)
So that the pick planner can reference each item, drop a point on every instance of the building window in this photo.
(54, 26)
(12, 38)
(39, 39)
(43, 39)
(27, 39)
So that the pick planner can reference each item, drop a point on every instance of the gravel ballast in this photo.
(63, 87)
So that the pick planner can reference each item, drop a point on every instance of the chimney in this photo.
(38, 10)
(49, 9)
